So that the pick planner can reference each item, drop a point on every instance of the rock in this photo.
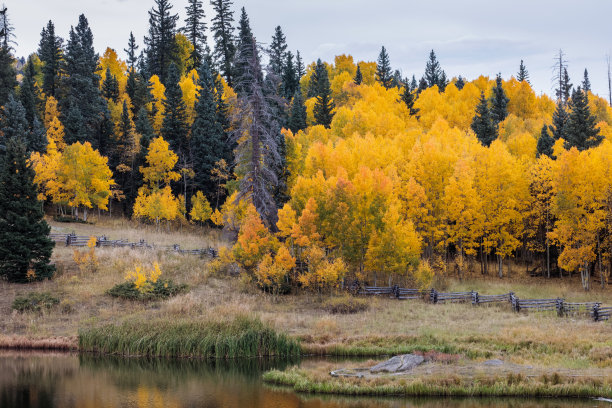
(398, 364)
(494, 362)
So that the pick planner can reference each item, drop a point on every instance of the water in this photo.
(49, 380)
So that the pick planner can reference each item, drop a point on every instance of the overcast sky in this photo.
(470, 37)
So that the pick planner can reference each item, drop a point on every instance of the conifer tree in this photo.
(324, 105)
(383, 69)
(144, 129)
(434, 75)
(559, 122)
(223, 31)
(358, 76)
(413, 84)
(522, 75)
(73, 125)
(207, 135)
(408, 97)
(161, 47)
(581, 130)
(565, 88)
(422, 85)
(131, 52)
(14, 124)
(545, 143)
(81, 82)
(499, 102)
(8, 79)
(460, 83)
(25, 249)
(50, 54)
(137, 88)
(174, 126)
(277, 51)
(124, 157)
(29, 94)
(290, 79)
(299, 66)
(110, 86)
(297, 113)
(482, 124)
(195, 29)
(586, 83)
(245, 46)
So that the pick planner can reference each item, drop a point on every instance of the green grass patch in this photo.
(162, 289)
(35, 302)
(236, 338)
(502, 386)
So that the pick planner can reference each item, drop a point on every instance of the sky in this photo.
(470, 37)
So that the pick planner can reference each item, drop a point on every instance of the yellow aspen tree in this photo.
(254, 241)
(200, 208)
(51, 111)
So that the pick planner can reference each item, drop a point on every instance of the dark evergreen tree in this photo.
(559, 120)
(223, 31)
(73, 125)
(397, 81)
(123, 161)
(460, 83)
(581, 130)
(223, 118)
(81, 82)
(195, 29)
(6, 30)
(482, 124)
(545, 143)
(358, 76)
(586, 83)
(174, 126)
(110, 86)
(144, 129)
(245, 46)
(522, 75)
(208, 138)
(8, 76)
(14, 124)
(443, 82)
(297, 113)
(277, 51)
(383, 69)
(50, 54)
(299, 66)
(422, 85)
(132, 59)
(25, 248)
(138, 90)
(565, 89)
(290, 79)
(106, 134)
(434, 75)
(324, 105)
(409, 97)
(161, 47)
(29, 94)
(499, 102)
(413, 84)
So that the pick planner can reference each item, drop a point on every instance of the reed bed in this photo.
(241, 337)
(26, 343)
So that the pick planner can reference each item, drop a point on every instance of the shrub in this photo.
(35, 302)
(161, 289)
(346, 305)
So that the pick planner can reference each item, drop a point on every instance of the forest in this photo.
(321, 172)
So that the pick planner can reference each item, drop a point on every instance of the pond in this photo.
(49, 380)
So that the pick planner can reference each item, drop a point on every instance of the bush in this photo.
(346, 305)
(35, 302)
(162, 289)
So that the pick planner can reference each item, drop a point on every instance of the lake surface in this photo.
(49, 380)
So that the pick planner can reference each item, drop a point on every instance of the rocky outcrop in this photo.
(398, 364)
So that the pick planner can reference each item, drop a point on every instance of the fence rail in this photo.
(559, 305)
(103, 242)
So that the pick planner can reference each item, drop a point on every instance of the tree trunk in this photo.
(500, 266)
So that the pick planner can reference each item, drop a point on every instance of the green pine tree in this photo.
(299, 66)
(29, 94)
(586, 83)
(289, 78)
(25, 249)
(161, 46)
(522, 75)
(73, 125)
(499, 102)
(545, 143)
(14, 124)
(483, 124)
(245, 48)
(358, 76)
(8, 76)
(460, 83)
(174, 126)
(223, 32)
(324, 105)
(131, 52)
(408, 97)
(277, 51)
(581, 130)
(383, 69)
(144, 129)
(110, 86)
(559, 120)
(434, 75)
(195, 29)
(297, 112)
(51, 55)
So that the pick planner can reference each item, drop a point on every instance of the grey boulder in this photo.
(398, 364)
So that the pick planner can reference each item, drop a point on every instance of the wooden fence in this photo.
(558, 305)
(103, 242)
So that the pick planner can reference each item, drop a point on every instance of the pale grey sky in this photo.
(470, 37)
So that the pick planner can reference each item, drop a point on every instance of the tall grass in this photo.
(241, 337)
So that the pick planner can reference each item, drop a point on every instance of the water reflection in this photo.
(48, 380)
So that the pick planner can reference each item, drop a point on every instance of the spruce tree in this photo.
(482, 124)
(358, 76)
(29, 94)
(565, 88)
(297, 113)
(73, 125)
(174, 126)
(144, 129)
(443, 82)
(195, 29)
(586, 83)
(581, 130)
(277, 51)
(434, 75)
(299, 66)
(207, 136)
(245, 46)
(408, 97)
(161, 47)
(8, 76)
(324, 105)
(138, 90)
(123, 159)
(289, 78)
(110, 86)
(50, 54)
(499, 102)
(223, 32)
(460, 83)
(81, 82)
(559, 122)
(383, 69)
(131, 52)
(25, 248)
(14, 124)
(522, 75)
(422, 85)
(545, 143)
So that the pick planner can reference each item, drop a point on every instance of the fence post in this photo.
(560, 307)
(433, 296)
(475, 298)
(596, 312)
